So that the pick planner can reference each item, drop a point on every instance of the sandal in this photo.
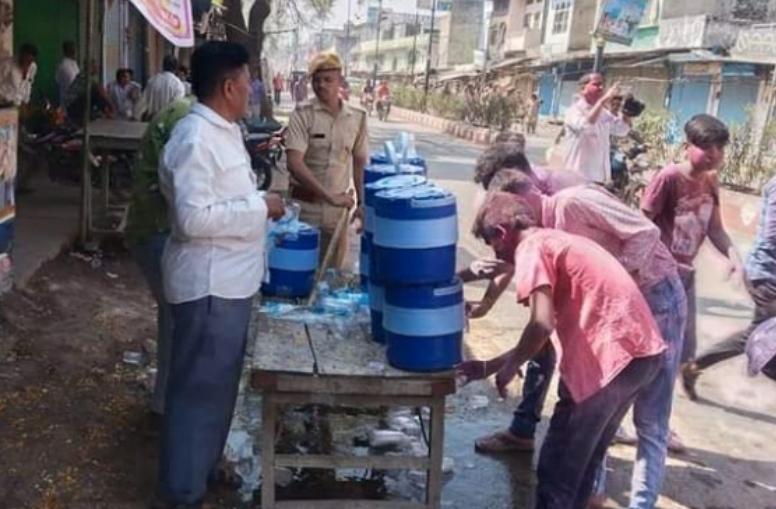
(503, 441)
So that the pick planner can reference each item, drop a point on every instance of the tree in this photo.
(300, 13)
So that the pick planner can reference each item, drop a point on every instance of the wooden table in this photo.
(107, 136)
(327, 369)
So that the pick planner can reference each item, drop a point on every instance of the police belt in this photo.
(303, 194)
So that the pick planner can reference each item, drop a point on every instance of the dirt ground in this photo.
(74, 425)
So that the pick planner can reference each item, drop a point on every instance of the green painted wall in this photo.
(46, 24)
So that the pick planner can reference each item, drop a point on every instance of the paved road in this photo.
(731, 461)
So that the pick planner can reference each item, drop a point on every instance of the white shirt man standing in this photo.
(163, 89)
(588, 128)
(67, 71)
(212, 267)
(18, 75)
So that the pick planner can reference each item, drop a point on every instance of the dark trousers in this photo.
(207, 357)
(764, 295)
(538, 375)
(149, 257)
(690, 330)
(580, 433)
(277, 96)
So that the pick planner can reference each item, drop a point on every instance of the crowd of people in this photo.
(611, 292)
(123, 98)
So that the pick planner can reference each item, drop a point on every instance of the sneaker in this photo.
(690, 374)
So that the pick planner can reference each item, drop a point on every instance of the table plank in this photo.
(116, 134)
(357, 355)
(281, 347)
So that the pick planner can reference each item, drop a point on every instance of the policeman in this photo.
(327, 143)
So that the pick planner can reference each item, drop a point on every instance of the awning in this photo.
(172, 18)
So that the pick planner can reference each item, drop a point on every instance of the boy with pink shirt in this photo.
(607, 341)
(683, 201)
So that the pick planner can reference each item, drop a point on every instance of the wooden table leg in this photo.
(436, 453)
(106, 183)
(268, 426)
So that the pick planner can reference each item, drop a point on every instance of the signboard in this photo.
(441, 5)
(620, 19)
(172, 18)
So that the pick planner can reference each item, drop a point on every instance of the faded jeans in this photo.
(149, 257)
(538, 376)
(652, 407)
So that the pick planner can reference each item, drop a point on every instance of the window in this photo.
(528, 2)
(527, 21)
(537, 22)
(752, 10)
(560, 22)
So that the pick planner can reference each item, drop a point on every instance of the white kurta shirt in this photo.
(586, 146)
(218, 218)
(66, 73)
(162, 90)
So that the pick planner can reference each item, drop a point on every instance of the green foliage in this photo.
(748, 163)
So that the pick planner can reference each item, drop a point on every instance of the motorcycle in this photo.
(628, 172)
(264, 141)
(383, 108)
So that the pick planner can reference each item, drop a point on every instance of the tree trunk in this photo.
(252, 37)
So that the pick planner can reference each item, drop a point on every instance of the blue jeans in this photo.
(148, 256)
(652, 407)
(207, 358)
(538, 376)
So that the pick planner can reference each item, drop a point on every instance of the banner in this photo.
(620, 19)
(172, 18)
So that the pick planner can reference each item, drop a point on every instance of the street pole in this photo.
(415, 43)
(430, 53)
(598, 63)
(347, 43)
(377, 43)
(86, 180)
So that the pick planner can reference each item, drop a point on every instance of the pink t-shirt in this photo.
(602, 319)
(682, 208)
(594, 213)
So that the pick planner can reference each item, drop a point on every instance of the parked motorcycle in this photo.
(383, 108)
(629, 167)
(264, 141)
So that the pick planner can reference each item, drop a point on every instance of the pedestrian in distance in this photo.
(588, 126)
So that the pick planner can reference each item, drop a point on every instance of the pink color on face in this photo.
(594, 89)
(705, 159)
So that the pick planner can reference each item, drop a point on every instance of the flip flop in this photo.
(503, 441)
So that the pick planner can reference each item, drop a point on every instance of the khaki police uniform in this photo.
(329, 144)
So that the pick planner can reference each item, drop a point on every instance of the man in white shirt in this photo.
(163, 89)
(212, 267)
(124, 94)
(67, 71)
(18, 75)
(588, 128)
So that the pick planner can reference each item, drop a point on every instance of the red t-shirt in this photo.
(602, 319)
(682, 207)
